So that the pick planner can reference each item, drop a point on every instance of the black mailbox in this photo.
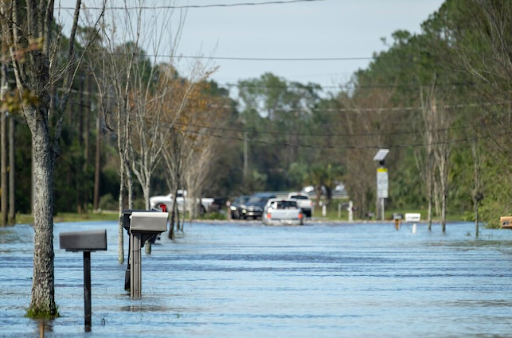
(85, 241)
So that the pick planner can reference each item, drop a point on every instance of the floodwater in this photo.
(249, 280)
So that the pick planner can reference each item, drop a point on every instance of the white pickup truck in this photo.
(303, 201)
(282, 211)
(205, 204)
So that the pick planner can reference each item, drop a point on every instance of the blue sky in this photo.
(323, 29)
(331, 28)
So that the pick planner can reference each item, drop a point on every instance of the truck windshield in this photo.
(299, 197)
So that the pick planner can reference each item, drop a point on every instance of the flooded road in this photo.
(248, 280)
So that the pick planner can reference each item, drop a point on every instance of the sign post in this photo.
(382, 188)
(382, 182)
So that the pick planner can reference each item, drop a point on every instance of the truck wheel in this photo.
(202, 210)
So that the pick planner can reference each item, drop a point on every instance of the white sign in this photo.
(382, 183)
(412, 217)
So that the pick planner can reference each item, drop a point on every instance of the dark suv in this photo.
(235, 208)
(254, 206)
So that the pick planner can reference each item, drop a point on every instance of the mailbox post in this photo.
(85, 241)
(141, 226)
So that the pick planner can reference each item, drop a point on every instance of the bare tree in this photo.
(40, 65)
(426, 166)
(442, 152)
(118, 52)
(3, 151)
(150, 86)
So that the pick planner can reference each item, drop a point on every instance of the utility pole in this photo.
(246, 157)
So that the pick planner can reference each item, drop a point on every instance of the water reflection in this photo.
(232, 280)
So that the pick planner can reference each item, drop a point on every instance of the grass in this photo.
(100, 216)
(72, 217)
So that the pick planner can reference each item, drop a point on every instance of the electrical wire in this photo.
(409, 132)
(233, 130)
(194, 6)
(357, 110)
(286, 144)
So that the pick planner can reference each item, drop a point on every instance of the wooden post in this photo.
(87, 291)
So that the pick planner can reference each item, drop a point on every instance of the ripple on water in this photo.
(244, 279)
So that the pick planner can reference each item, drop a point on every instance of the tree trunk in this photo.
(443, 212)
(3, 150)
(3, 137)
(174, 215)
(120, 229)
(12, 210)
(97, 165)
(43, 298)
(146, 192)
(88, 115)
(429, 212)
(475, 201)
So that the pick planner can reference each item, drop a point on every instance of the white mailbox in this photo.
(142, 221)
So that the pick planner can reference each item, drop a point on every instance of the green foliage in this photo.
(107, 202)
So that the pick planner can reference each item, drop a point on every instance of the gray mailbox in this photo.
(140, 225)
(85, 241)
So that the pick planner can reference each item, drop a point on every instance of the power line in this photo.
(415, 132)
(235, 58)
(354, 86)
(195, 6)
(233, 130)
(354, 110)
(286, 144)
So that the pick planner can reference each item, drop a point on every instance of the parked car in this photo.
(282, 211)
(303, 201)
(235, 207)
(217, 204)
(253, 208)
(204, 204)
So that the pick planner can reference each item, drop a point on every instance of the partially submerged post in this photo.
(85, 241)
(398, 220)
